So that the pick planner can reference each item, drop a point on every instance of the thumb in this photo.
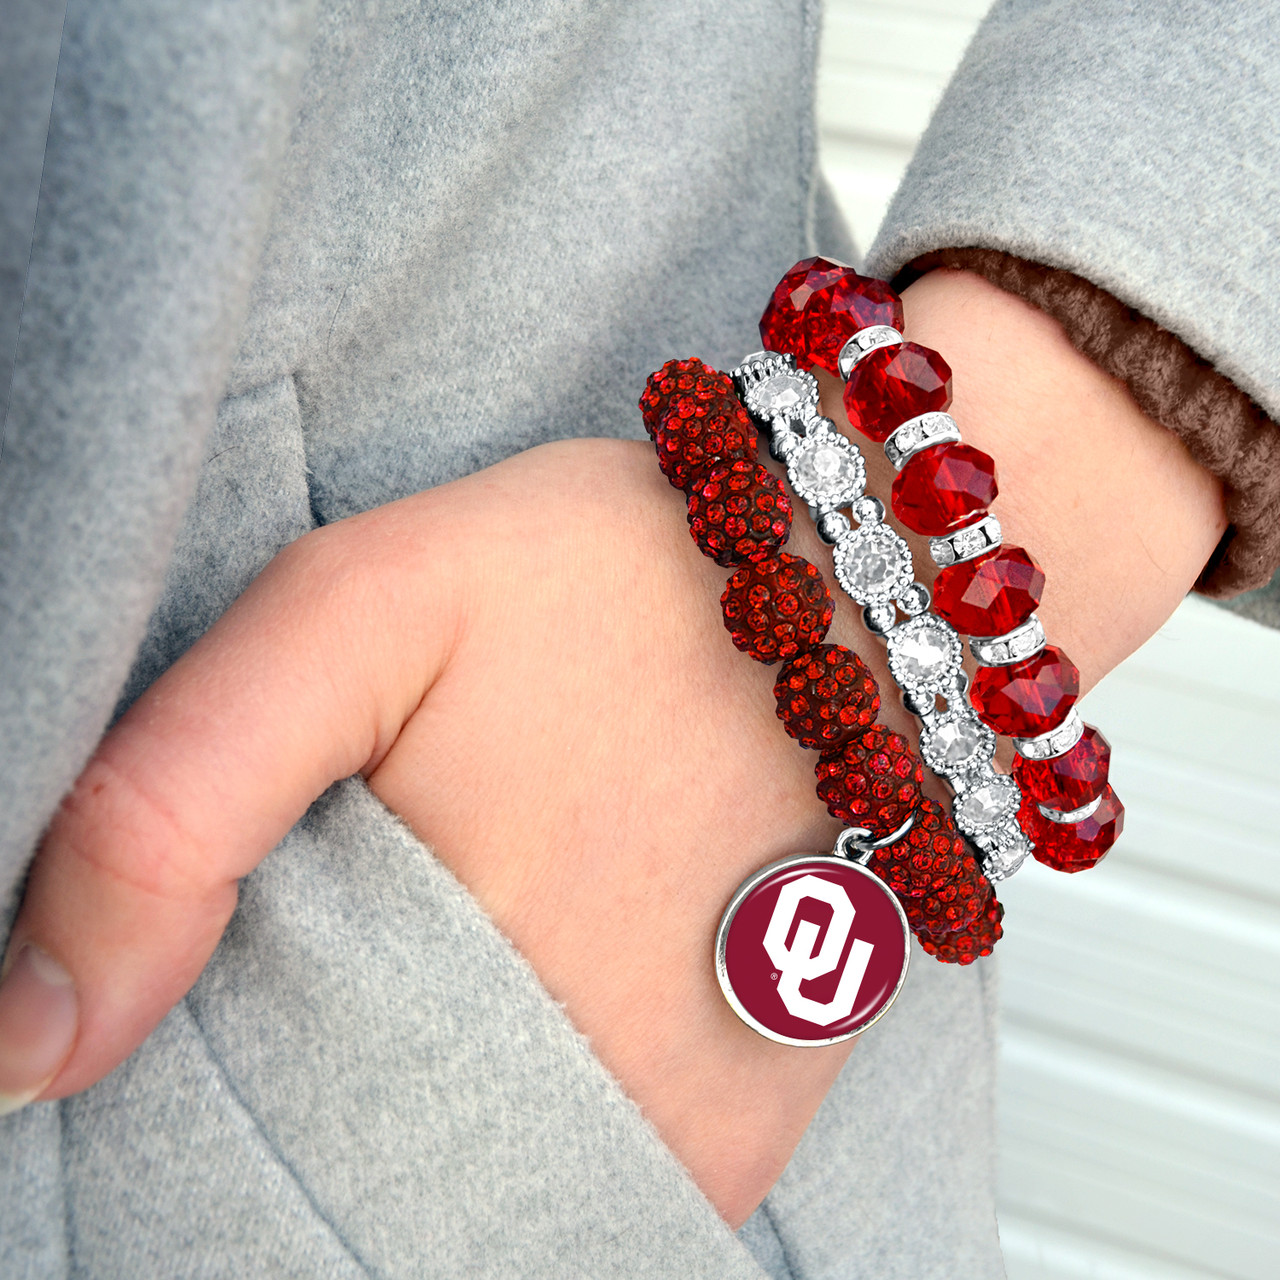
(308, 678)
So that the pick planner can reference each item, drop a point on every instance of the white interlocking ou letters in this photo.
(798, 963)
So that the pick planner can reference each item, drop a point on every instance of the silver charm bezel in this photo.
(945, 678)
(896, 552)
(726, 922)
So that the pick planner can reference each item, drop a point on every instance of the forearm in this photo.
(1109, 503)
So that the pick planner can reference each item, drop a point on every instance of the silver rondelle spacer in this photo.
(863, 343)
(920, 433)
(967, 543)
(1071, 815)
(832, 526)
(1057, 742)
(1002, 651)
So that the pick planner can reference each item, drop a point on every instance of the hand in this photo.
(532, 660)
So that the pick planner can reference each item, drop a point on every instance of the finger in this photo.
(307, 679)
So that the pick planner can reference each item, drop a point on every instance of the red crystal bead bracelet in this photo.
(777, 609)
(897, 393)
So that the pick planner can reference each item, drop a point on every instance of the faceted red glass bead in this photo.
(825, 695)
(775, 607)
(990, 595)
(693, 435)
(873, 781)
(891, 384)
(819, 305)
(738, 511)
(690, 378)
(1026, 698)
(971, 942)
(944, 488)
(1068, 781)
(1073, 846)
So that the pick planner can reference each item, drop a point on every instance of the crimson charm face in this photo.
(812, 950)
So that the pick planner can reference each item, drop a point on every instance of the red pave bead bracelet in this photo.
(897, 393)
(787, 956)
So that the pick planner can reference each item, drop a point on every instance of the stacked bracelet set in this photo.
(787, 955)
(1058, 804)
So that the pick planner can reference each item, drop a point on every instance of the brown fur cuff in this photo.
(1224, 430)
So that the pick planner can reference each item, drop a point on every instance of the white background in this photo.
(1140, 1071)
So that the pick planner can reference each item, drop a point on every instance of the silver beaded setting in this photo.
(824, 469)
(872, 564)
(955, 743)
(924, 655)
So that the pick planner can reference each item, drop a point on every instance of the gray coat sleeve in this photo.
(1132, 144)
(143, 250)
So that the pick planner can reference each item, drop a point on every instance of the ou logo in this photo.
(799, 962)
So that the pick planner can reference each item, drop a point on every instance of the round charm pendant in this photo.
(812, 950)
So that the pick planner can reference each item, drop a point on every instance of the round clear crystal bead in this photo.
(824, 469)
(924, 654)
(826, 472)
(955, 742)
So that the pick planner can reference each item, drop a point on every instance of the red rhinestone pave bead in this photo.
(739, 511)
(932, 872)
(977, 939)
(990, 595)
(891, 384)
(711, 431)
(686, 378)
(775, 607)
(825, 695)
(873, 781)
(1068, 781)
(1073, 846)
(819, 305)
(1027, 698)
(944, 488)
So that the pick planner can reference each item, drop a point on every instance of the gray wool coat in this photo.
(253, 253)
